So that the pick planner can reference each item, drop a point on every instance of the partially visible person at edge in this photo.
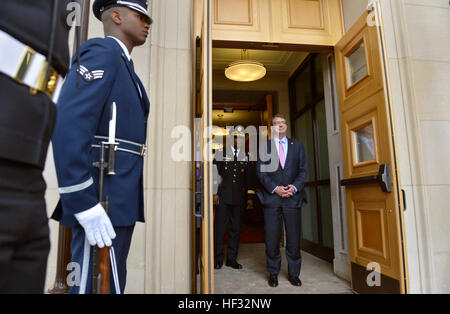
(34, 59)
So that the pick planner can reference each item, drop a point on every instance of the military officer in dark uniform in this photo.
(235, 193)
(104, 75)
(34, 58)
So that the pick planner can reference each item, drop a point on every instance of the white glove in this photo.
(97, 226)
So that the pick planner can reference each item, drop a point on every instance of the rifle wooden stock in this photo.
(105, 262)
(101, 260)
(105, 271)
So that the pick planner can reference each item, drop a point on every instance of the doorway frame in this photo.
(251, 45)
(339, 219)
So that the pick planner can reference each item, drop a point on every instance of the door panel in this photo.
(241, 20)
(375, 218)
(203, 215)
(306, 22)
(365, 156)
(341, 262)
(359, 64)
(313, 22)
(207, 232)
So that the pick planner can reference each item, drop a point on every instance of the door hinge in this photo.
(371, 5)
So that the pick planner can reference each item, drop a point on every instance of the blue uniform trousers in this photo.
(121, 246)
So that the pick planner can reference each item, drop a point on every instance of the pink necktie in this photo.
(282, 155)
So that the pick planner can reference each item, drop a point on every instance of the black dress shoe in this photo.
(218, 265)
(234, 264)
(273, 280)
(295, 281)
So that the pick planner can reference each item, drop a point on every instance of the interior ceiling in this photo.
(274, 61)
(279, 61)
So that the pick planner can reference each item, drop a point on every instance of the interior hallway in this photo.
(317, 276)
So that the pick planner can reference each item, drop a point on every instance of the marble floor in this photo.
(317, 276)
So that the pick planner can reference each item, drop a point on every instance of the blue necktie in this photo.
(136, 79)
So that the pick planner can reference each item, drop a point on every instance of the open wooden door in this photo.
(203, 236)
(269, 112)
(374, 201)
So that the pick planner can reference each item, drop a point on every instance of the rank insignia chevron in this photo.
(89, 76)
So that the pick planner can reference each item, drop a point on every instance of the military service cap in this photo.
(141, 6)
(238, 131)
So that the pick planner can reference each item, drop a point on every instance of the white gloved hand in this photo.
(97, 226)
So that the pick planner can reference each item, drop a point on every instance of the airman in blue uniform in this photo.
(103, 75)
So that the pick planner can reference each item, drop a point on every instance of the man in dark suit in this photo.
(105, 75)
(282, 173)
(235, 194)
(34, 58)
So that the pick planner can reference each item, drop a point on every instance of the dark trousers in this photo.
(227, 216)
(273, 219)
(24, 231)
(82, 256)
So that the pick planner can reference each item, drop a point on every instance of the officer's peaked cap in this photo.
(141, 6)
(238, 131)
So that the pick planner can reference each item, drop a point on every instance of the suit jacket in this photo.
(83, 113)
(271, 174)
(237, 177)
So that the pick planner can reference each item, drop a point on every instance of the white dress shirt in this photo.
(127, 53)
(234, 151)
(284, 142)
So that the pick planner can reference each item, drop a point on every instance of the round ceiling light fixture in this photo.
(218, 131)
(245, 70)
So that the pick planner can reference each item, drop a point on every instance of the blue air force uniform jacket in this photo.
(105, 76)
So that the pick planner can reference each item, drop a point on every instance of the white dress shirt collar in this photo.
(124, 48)
(277, 140)
(127, 53)
(234, 150)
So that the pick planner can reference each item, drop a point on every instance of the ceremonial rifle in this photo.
(101, 257)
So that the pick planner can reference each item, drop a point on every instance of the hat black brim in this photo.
(98, 13)
(149, 19)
